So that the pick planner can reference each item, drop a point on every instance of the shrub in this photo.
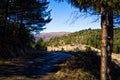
(88, 48)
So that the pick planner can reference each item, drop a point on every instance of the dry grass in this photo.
(66, 48)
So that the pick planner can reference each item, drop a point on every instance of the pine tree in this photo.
(19, 18)
(105, 8)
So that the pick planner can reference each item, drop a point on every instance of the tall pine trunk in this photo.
(5, 18)
(110, 42)
(104, 44)
(21, 25)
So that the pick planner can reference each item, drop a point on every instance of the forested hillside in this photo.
(87, 37)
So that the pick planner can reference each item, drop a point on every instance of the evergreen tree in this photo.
(18, 19)
(105, 8)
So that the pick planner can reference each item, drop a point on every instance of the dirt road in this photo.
(34, 69)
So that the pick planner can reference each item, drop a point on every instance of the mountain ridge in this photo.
(50, 35)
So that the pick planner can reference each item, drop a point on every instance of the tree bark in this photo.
(5, 17)
(110, 42)
(104, 44)
(21, 24)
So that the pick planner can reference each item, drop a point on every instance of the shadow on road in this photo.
(40, 66)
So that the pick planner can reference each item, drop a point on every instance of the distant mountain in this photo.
(50, 35)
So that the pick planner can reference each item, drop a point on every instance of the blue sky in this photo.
(63, 19)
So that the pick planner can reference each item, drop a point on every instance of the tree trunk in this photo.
(110, 42)
(104, 44)
(21, 24)
(5, 18)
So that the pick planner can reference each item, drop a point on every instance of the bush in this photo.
(62, 49)
(88, 48)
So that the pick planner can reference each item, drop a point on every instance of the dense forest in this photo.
(19, 19)
(87, 37)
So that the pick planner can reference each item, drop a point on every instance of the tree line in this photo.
(19, 19)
